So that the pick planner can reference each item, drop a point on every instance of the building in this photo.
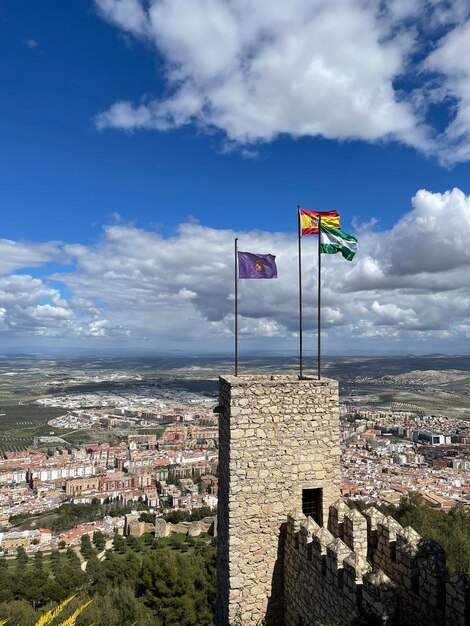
(278, 450)
(290, 551)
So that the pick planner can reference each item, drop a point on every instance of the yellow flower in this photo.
(73, 618)
(48, 617)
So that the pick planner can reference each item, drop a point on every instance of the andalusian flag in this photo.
(334, 240)
(309, 220)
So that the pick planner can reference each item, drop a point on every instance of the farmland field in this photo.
(19, 425)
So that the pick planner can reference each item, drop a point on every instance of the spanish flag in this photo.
(309, 220)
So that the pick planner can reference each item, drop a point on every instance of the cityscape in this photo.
(158, 447)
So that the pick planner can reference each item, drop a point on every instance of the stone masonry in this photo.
(279, 565)
(367, 563)
(278, 436)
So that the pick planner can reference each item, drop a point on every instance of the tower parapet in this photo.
(279, 448)
(324, 562)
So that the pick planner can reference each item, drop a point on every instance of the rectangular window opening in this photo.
(312, 504)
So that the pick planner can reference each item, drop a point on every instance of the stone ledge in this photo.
(273, 380)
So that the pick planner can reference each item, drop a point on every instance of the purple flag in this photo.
(256, 265)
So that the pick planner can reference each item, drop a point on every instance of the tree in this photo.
(72, 557)
(85, 547)
(180, 589)
(99, 540)
(55, 560)
(149, 540)
(149, 518)
(21, 559)
(119, 544)
(132, 542)
(18, 612)
(118, 606)
(38, 561)
(93, 569)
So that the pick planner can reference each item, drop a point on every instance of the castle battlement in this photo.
(279, 448)
(324, 562)
(327, 580)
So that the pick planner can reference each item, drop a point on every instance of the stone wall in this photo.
(278, 435)
(368, 562)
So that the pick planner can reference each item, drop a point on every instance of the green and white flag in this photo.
(335, 240)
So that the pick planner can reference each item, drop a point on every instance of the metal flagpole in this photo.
(236, 306)
(300, 294)
(319, 301)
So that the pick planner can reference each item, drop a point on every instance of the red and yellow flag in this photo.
(309, 220)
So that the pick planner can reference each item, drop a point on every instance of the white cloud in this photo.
(331, 68)
(20, 254)
(434, 236)
(257, 70)
(450, 59)
(129, 14)
(29, 306)
(187, 294)
(407, 286)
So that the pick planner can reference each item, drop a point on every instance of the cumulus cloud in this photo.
(29, 306)
(407, 286)
(257, 70)
(449, 59)
(20, 254)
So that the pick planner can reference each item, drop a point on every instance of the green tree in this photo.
(149, 518)
(118, 606)
(149, 540)
(18, 612)
(72, 557)
(133, 543)
(55, 560)
(38, 561)
(179, 588)
(21, 559)
(99, 540)
(119, 544)
(85, 547)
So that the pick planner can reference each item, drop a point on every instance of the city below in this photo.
(147, 446)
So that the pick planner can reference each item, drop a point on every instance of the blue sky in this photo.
(138, 137)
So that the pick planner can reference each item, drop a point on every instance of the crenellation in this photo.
(336, 552)
(355, 532)
(457, 610)
(336, 517)
(407, 550)
(325, 562)
(379, 595)
(355, 568)
(415, 589)
(433, 574)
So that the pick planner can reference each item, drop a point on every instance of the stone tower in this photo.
(279, 451)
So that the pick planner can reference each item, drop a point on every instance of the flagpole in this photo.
(300, 293)
(236, 306)
(319, 301)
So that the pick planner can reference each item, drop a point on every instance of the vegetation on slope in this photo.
(145, 581)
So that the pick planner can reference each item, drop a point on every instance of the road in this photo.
(100, 556)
